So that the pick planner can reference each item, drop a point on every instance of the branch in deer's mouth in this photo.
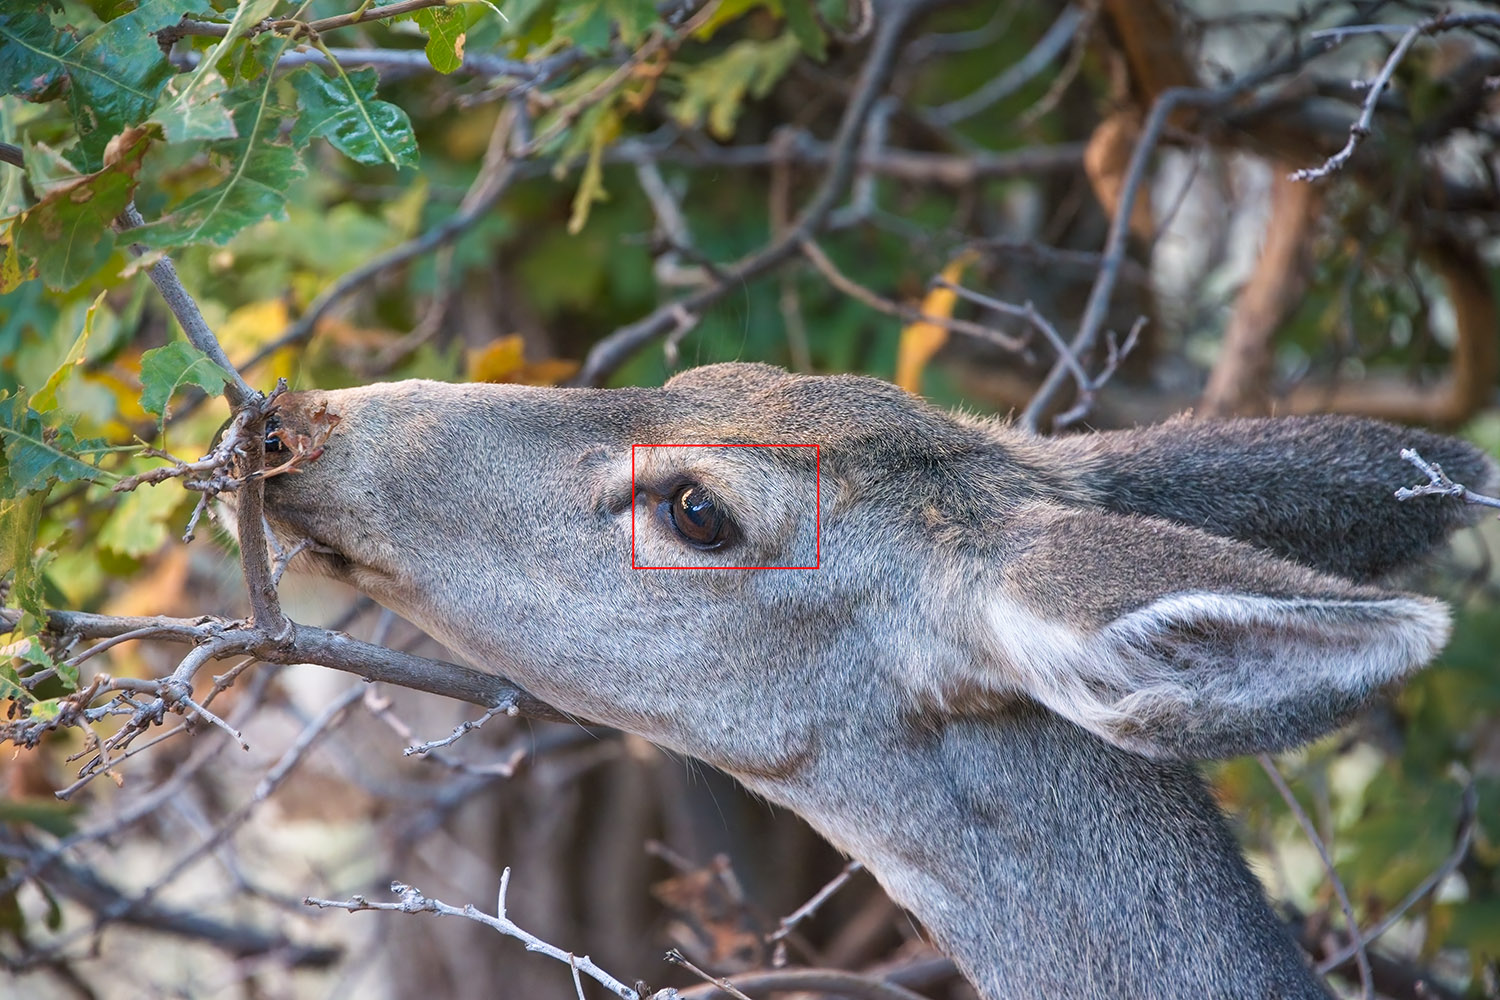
(218, 639)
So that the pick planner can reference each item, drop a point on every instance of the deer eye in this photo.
(699, 519)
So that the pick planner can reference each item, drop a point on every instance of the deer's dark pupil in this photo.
(697, 517)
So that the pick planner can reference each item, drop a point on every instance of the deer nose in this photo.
(273, 442)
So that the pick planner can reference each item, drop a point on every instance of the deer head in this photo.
(1189, 591)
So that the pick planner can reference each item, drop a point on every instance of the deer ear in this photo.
(1174, 643)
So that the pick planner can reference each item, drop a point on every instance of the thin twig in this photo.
(366, 12)
(1034, 319)
(304, 644)
(1438, 484)
(1361, 126)
(494, 178)
(1465, 839)
(789, 922)
(412, 901)
(819, 981)
(463, 728)
(1119, 229)
(613, 350)
(906, 313)
(1017, 75)
(1361, 957)
(718, 982)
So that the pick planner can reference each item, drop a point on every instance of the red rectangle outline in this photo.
(817, 503)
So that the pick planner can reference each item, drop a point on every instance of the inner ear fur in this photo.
(1172, 642)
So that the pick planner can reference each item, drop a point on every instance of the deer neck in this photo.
(1050, 864)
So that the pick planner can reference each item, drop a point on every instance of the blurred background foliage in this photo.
(623, 155)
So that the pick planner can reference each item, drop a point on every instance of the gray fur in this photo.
(992, 690)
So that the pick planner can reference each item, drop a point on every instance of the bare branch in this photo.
(169, 36)
(906, 313)
(1088, 385)
(1119, 229)
(463, 729)
(612, 351)
(844, 984)
(788, 923)
(1466, 823)
(1438, 483)
(1367, 988)
(1361, 126)
(1018, 74)
(412, 901)
(164, 277)
(719, 982)
(302, 644)
(476, 63)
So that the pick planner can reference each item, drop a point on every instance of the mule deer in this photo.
(993, 689)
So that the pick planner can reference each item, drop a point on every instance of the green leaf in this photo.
(36, 455)
(197, 114)
(31, 52)
(587, 25)
(30, 650)
(112, 77)
(67, 236)
(20, 518)
(167, 369)
(716, 87)
(342, 108)
(260, 168)
(445, 29)
(138, 525)
(729, 10)
(12, 273)
(254, 190)
(46, 398)
(10, 687)
(197, 103)
(802, 19)
(633, 18)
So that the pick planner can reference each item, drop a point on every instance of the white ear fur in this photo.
(1202, 674)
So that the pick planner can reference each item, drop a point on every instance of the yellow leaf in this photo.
(504, 361)
(250, 326)
(46, 399)
(591, 184)
(495, 361)
(922, 339)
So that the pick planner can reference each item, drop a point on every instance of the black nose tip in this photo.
(273, 440)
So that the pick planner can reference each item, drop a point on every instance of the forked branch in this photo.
(412, 901)
(1438, 484)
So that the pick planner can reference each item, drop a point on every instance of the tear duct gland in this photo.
(992, 690)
